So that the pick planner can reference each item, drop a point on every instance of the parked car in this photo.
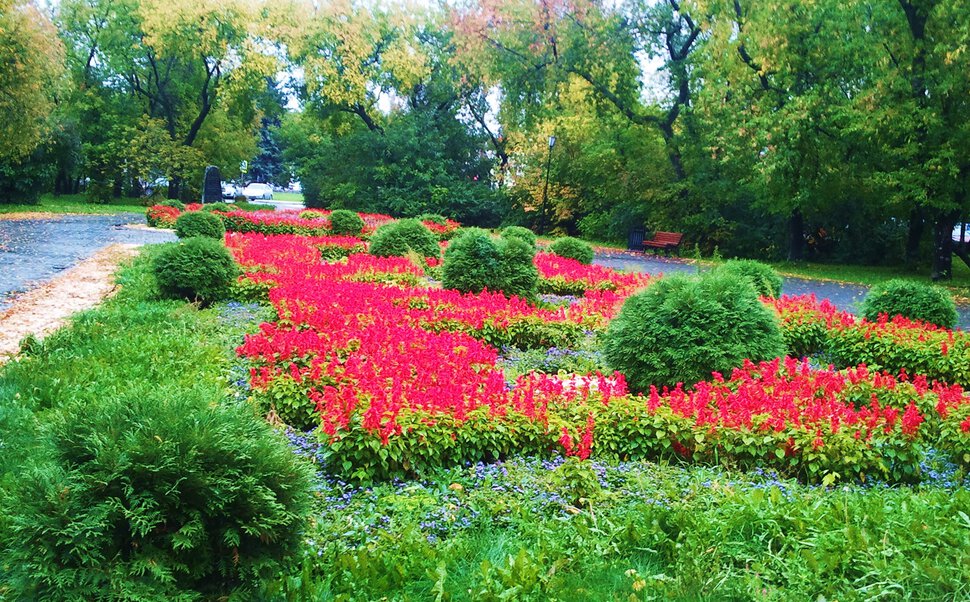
(258, 190)
(230, 191)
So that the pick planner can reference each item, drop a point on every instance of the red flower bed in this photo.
(564, 276)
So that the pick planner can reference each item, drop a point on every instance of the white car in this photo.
(229, 191)
(258, 190)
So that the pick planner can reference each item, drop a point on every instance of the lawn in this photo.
(74, 203)
(457, 459)
(294, 197)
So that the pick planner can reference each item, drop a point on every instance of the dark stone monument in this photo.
(212, 185)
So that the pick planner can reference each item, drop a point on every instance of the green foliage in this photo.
(573, 248)
(914, 300)
(681, 329)
(343, 221)
(199, 223)
(434, 218)
(472, 262)
(160, 499)
(520, 233)
(398, 238)
(517, 271)
(216, 207)
(173, 203)
(197, 269)
(764, 278)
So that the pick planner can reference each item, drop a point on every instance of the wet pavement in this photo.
(844, 296)
(35, 250)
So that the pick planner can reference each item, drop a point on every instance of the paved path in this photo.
(35, 250)
(844, 296)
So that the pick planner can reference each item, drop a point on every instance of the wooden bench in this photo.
(666, 241)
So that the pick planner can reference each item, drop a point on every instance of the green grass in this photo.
(75, 203)
(296, 197)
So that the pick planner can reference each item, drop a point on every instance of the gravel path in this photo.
(33, 251)
(844, 296)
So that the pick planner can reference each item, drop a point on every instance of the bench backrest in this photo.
(673, 238)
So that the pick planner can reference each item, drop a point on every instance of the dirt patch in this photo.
(46, 308)
(25, 215)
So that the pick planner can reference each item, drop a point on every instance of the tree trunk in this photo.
(943, 246)
(915, 235)
(796, 236)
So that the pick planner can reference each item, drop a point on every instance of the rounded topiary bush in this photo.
(197, 269)
(154, 499)
(573, 248)
(914, 300)
(520, 233)
(344, 221)
(173, 203)
(397, 238)
(472, 262)
(764, 278)
(683, 328)
(311, 214)
(216, 207)
(434, 218)
(518, 274)
(199, 223)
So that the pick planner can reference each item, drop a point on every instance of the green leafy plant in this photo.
(520, 233)
(914, 300)
(517, 269)
(173, 203)
(199, 223)
(344, 221)
(397, 238)
(472, 262)
(433, 218)
(683, 328)
(573, 248)
(216, 207)
(154, 499)
(764, 278)
(197, 269)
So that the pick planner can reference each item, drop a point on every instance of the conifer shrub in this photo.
(764, 278)
(346, 222)
(216, 207)
(521, 233)
(196, 269)
(518, 274)
(683, 328)
(434, 218)
(572, 248)
(173, 203)
(397, 238)
(199, 223)
(914, 300)
(472, 262)
(149, 499)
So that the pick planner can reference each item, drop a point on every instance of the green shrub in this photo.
(344, 221)
(197, 269)
(142, 499)
(433, 218)
(397, 238)
(764, 278)
(199, 223)
(683, 328)
(573, 248)
(913, 300)
(473, 262)
(216, 207)
(173, 203)
(312, 214)
(517, 269)
(520, 233)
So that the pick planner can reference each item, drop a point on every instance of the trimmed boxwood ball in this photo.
(683, 328)
(518, 274)
(199, 223)
(344, 221)
(472, 262)
(397, 238)
(178, 498)
(523, 234)
(763, 277)
(914, 300)
(197, 269)
(572, 248)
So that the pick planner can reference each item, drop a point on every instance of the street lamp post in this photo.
(543, 223)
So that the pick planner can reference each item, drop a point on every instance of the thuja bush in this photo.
(397, 238)
(344, 221)
(764, 278)
(520, 233)
(141, 499)
(573, 248)
(474, 262)
(683, 328)
(914, 300)
(198, 269)
(199, 223)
